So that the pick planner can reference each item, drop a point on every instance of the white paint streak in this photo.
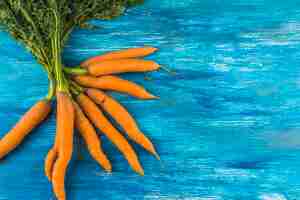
(274, 196)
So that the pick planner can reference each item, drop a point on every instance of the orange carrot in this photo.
(100, 121)
(114, 83)
(121, 115)
(125, 53)
(91, 138)
(24, 126)
(51, 158)
(64, 130)
(49, 162)
(121, 66)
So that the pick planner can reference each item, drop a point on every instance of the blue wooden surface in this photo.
(226, 126)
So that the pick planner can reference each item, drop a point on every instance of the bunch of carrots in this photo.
(44, 27)
(81, 104)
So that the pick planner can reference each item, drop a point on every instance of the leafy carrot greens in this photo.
(44, 26)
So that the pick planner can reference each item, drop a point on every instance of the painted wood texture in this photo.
(226, 125)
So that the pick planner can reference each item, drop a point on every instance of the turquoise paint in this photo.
(226, 125)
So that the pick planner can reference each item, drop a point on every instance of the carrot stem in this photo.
(74, 91)
(76, 86)
(62, 84)
(75, 70)
(51, 90)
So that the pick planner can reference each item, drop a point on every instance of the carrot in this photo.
(24, 126)
(64, 131)
(100, 121)
(51, 158)
(114, 83)
(121, 66)
(49, 162)
(121, 115)
(91, 138)
(125, 53)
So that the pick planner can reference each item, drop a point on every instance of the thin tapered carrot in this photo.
(49, 162)
(24, 126)
(91, 138)
(100, 121)
(121, 54)
(114, 83)
(51, 158)
(121, 66)
(121, 115)
(64, 130)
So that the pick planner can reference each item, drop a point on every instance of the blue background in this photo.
(226, 125)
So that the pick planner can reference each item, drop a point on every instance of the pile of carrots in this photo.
(82, 104)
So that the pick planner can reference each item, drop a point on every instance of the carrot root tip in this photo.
(141, 172)
(156, 155)
(151, 96)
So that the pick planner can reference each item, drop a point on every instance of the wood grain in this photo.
(226, 125)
